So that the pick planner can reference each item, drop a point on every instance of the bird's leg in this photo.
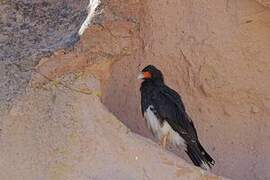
(164, 141)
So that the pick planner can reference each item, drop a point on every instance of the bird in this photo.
(166, 116)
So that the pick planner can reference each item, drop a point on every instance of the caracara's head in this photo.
(151, 73)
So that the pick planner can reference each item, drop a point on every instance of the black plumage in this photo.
(167, 106)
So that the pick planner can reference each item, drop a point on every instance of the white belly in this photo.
(159, 130)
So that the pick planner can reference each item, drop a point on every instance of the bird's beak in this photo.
(141, 76)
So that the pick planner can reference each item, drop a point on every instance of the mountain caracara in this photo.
(167, 118)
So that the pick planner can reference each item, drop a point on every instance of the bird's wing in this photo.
(170, 107)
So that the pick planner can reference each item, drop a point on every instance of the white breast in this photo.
(159, 130)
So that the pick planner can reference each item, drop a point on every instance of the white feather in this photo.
(205, 166)
(92, 6)
(159, 130)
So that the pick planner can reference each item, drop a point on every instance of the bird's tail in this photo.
(199, 156)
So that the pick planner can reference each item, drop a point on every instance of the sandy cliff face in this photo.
(264, 2)
(62, 131)
(215, 55)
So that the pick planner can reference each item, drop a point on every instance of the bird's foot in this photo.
(164, 141)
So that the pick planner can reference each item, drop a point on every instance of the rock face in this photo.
(57, 133)
(29, 30)
(215, 55)
(264, 2)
